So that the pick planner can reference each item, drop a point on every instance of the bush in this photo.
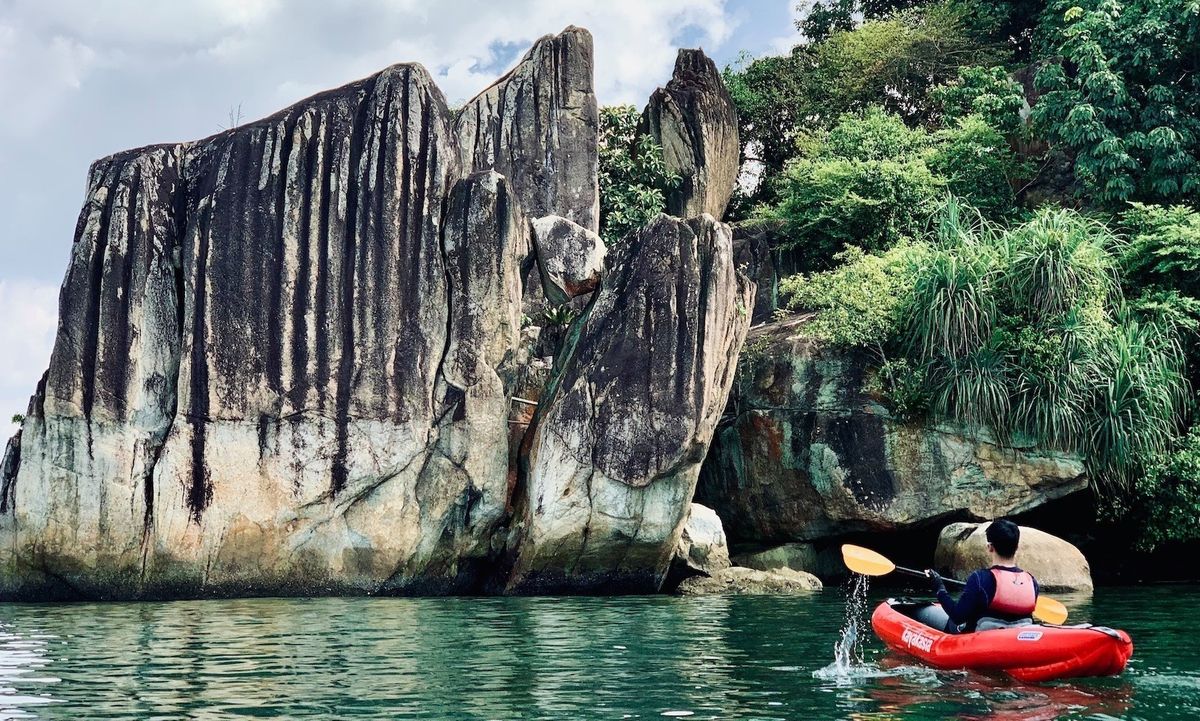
(858, 303)
(633, 176)
(989, 93)
(978, 165)
(1166, 500)
(864, 183)
(1122, 93)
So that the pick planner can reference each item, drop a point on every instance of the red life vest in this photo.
(1015, 593)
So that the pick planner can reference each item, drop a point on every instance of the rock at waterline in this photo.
(615, 450)
(811, 453)
(288, 356)
(750, 582)
(1056, 564)
(702, 547)
(825, 563)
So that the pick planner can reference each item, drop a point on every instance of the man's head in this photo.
(1003, 537)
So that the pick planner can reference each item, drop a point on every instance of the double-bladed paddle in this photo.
(869, 563)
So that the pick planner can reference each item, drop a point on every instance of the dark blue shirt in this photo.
(973, 603)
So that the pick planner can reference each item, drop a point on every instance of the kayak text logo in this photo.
(1029, 635)
(917, 639)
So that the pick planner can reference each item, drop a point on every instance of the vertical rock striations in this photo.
(694, 120)
(287, 353)
(538, 126)
(625, 424)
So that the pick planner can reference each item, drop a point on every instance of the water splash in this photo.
(848, 658)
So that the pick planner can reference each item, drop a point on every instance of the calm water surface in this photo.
(593, 658)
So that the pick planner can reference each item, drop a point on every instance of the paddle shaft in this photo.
(914, 572)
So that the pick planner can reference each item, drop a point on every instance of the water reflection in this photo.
(594, 658)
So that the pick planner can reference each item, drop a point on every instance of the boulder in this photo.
(1055, 563)
(824, 563)
(701, 546)
(750, 582)
(570, 258)
(810, 453)
(694, 120)
(539, 126)
(616, 447)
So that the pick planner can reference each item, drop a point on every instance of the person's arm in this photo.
(971, 604)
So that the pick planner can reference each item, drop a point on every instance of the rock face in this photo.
(702, 547)
(570, 258)
(694, 120)
(1055, 563)
(809, 453)
(616, 447)
(750, 582)
(288, 352)
(538, 126)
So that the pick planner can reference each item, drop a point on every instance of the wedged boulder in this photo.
(625, 423)
(809, 453)
(702, 547)
(1056, 564)
(570, 258)
(740, 581)
(694, 120)
(539, 126)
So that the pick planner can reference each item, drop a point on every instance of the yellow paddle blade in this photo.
(1050, 611)
(865, 561)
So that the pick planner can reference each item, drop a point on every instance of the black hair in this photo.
(1004, 535)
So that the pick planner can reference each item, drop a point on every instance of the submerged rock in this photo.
(615, 450)
(809, 453)
(1056, 564)
(694, 120)
(702, 547)
(750, 582)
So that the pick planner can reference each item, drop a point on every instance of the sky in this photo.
(80, 79)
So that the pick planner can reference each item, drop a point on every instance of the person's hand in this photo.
(935, 581)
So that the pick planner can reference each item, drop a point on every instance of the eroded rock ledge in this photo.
(288, 352)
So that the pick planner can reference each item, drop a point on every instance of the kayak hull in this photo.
(1027, 653)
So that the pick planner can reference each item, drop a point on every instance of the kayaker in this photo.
(997, 596)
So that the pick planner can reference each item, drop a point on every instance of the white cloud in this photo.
(28, 320)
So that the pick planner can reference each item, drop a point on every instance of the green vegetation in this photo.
(999, 202)
(633, 177)
(18, 419)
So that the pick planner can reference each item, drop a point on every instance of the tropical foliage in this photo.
(634, 179)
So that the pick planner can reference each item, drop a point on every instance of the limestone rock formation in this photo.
(752, 251)
(538, 126)
(702, 547)
(570, 258)
(617, 444)
(694, 120)
(291, 358)
(1055, 563)
(810, 453)
(750, 582)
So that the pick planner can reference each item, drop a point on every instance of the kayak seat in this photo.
(988, 623)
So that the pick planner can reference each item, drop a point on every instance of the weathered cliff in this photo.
(694, 120)
(616, 447)
(287, 352)
(808, 452)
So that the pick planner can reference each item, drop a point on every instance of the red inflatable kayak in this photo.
(1028, 653)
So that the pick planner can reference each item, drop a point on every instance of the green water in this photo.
(591, 658)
